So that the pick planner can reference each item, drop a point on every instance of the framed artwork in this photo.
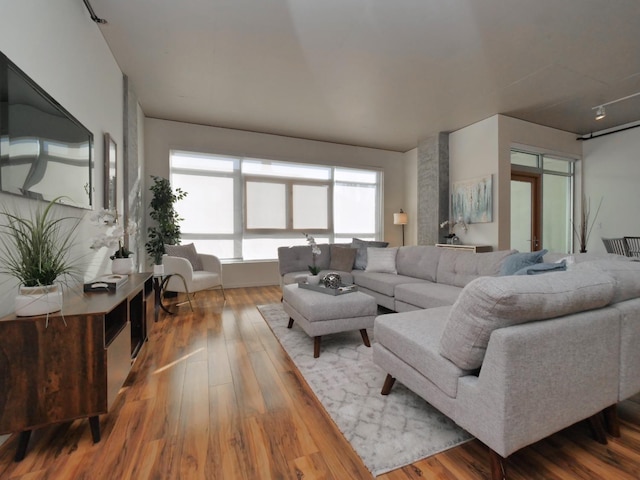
(473, 200)
(110, 173)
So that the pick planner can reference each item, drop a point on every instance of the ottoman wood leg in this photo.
(316, 346)
(290, 323)
(388, 383)
(365, 337)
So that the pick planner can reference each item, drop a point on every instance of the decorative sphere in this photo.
(332, 280)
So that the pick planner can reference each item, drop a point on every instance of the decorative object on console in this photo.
(114, 235)
(452, 238)
(472, 200)
(332, 280)
(36, 252)
(401, 219)
(106, 283)
(583, 230)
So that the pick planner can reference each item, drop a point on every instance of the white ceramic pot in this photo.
(158, 270)
(122, 266)
(38, 300)
(313, 279)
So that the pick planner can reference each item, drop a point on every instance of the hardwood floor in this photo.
(212, 395)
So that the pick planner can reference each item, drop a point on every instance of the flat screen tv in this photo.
(45, 152)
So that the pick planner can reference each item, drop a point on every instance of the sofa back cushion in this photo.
(419, 261)
(459, 267)
(625, 275)
(298, 258)
(487, 304)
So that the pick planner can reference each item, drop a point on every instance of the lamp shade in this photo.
(400, 218)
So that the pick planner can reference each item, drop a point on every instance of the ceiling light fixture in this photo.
(600, 111)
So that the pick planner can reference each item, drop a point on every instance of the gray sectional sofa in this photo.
(511, 359)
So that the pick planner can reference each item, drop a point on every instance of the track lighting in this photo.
(600, 112)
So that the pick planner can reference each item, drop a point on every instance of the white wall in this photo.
(484, 148)
(611, 170)
(473, 153)
(62, 50)
(161, 136)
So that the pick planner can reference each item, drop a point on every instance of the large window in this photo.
(245, 208)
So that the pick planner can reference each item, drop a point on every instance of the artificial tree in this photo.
(166, 230)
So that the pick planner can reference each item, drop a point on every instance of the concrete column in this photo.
(433, 187)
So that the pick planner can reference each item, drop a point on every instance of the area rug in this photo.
(387, 432)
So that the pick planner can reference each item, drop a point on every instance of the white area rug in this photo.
(387, 432)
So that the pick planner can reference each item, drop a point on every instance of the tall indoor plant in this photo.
(35, 250)
(166, 230)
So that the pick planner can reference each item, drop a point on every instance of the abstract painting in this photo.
(473, 200)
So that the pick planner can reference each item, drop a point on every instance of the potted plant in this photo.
(313, 279)
(583, 230)
(112, 235)
(36, 252)
(166, 230)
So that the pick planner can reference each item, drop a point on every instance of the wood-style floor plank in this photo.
(213, 395)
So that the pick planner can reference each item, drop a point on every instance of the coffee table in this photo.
(320, 314)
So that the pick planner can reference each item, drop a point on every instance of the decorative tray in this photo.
(341, 290)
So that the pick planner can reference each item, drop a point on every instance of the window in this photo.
(551, 199)
(245, 208)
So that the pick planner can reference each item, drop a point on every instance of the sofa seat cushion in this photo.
(418, 261)
(427, 294)
(458, 268)
(414, 338)
(490, 303)
(384, 283)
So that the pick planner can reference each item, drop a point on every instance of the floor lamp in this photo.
(401, 219)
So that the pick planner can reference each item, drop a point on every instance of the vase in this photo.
(313, 279)
(122, 266)
(38, 300)
(158, 270)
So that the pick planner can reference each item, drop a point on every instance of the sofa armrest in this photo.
(211, 263)
(541, 377)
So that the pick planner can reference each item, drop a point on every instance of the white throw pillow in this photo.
(381, 260)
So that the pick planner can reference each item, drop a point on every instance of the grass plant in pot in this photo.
(166, 230)
(36, 251)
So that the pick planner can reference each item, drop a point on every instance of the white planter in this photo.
(313, 279)
(38, 300)
(122, 266)
(158, 270)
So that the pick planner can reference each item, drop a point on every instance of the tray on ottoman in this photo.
(341, 290)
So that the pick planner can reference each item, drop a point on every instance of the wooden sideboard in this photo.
(73, 363)
(470, 248)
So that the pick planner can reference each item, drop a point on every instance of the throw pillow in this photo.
(342, 258)
(185, 251)
(518, 261)
(381, 260)
(362, 245)
(542, 268)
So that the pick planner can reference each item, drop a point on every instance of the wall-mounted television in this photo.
(45, 152)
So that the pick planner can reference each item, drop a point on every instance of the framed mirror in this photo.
(110, 173)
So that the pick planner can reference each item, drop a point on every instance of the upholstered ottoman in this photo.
(321, 314)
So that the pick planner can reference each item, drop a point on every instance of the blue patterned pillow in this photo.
(518, 261)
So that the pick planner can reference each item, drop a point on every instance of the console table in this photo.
(470, 248)
(73, 364)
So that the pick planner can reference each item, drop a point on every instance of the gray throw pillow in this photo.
(518, 261)
(185, 251)
(342, 258)
(362, 245)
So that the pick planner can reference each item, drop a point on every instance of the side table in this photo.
(159, 284)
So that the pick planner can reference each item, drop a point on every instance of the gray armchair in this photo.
(185, 279)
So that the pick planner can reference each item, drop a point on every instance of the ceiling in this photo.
(378, 73)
